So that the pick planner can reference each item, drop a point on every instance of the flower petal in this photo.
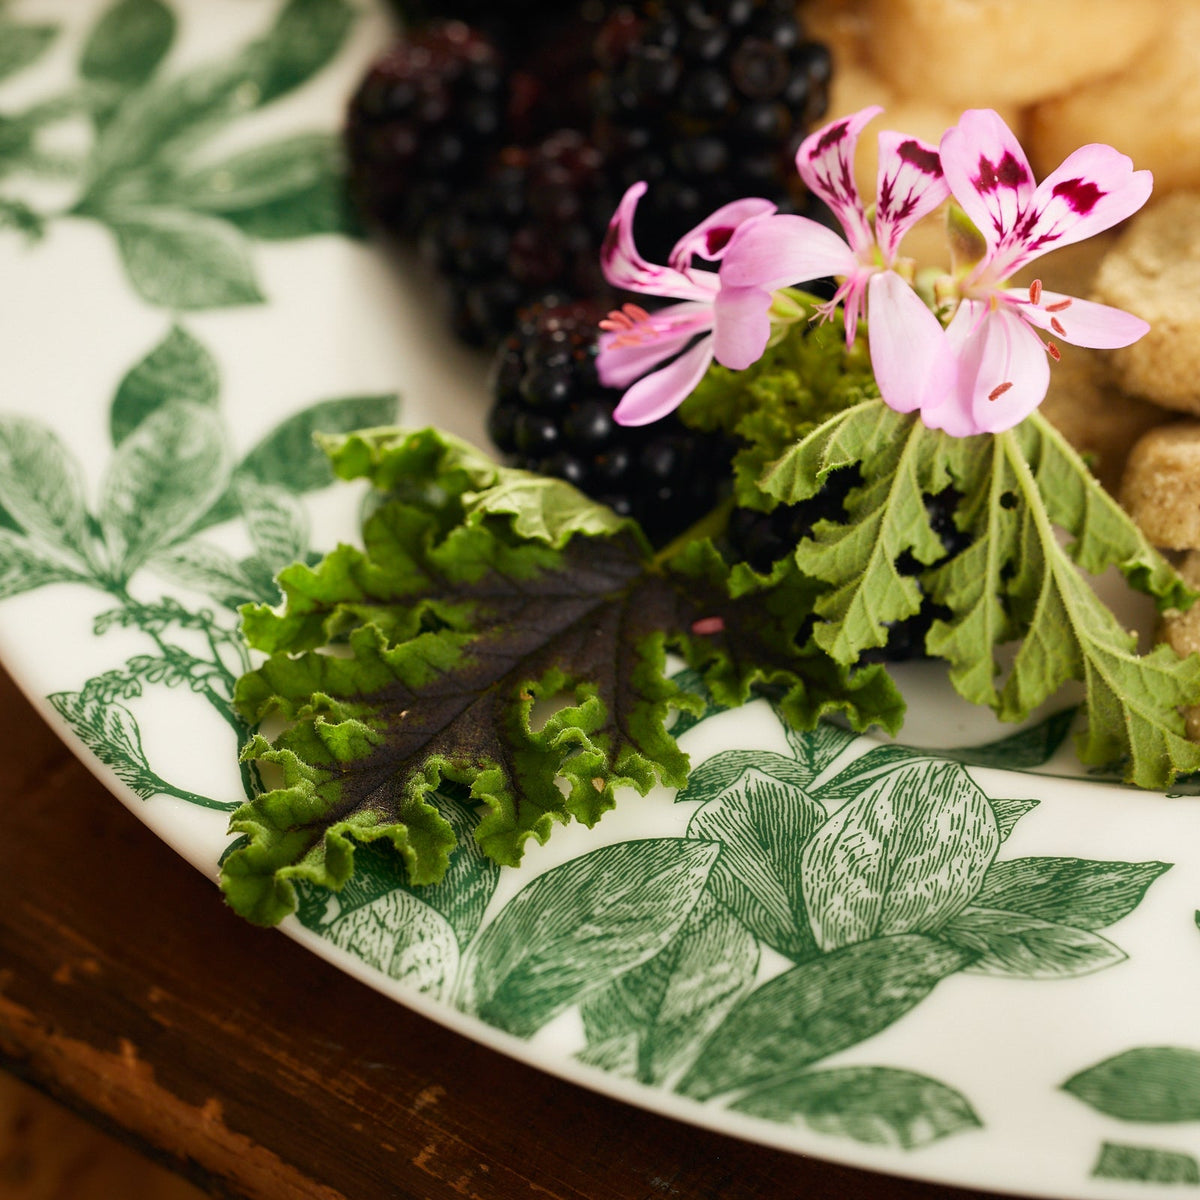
(665, 390)
(711, 237)
(626, 355)
(1093, 190)
(1003, 372)
(910, 186)
(988, 173)
(1081, 322)
(626, 269)
(742, 326)
(913, 362)
(825, 161)
(782, 250)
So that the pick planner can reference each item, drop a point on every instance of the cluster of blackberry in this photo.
(451, 134)
(553, 415)
(499, 138)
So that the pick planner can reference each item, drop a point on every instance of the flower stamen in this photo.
(999, 390)
(1035, 293)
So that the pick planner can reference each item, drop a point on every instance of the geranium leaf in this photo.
(1015, 581)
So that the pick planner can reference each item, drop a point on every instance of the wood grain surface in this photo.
(131, 994)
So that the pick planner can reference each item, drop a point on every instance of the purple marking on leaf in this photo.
(1008, 173)
(924, 160)
(1081, 194)
(717, 239)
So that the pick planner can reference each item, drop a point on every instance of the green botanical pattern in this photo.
(183, 215)
(1144, 1164)
(874, 882)
(172, 475)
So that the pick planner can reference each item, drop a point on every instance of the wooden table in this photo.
(129, 992)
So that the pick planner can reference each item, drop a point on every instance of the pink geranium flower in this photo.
(1003, 371)
(913, 364)
(710, 321)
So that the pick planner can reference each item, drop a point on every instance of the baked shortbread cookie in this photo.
(1149, 110)
(1154, 271)
(984, 53)
(1160, 488)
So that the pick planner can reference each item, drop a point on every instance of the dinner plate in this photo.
(958, 956)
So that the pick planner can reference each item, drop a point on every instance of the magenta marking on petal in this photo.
(921, 157)
(831, 137)
(1007, 173)
(1081, 194)
(715, 240)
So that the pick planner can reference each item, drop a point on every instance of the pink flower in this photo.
(909, 352)
(730, 324)
(1003, 371)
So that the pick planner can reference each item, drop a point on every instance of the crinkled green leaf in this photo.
(480, 591)
(1015, 582)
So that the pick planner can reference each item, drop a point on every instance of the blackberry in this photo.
(422, 119)
(531, 227)
(551, 414)
(707, 101)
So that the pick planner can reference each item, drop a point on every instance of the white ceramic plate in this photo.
(974, 966)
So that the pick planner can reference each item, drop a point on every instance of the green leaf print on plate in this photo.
(1159, 1084)
(184, 220)
(869, 885)
(1145, 1164)
(172, 473)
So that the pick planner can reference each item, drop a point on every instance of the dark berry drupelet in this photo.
(423, 119)
(531, 226)
(707, 101)
(551, 414)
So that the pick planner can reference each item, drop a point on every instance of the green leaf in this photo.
(722, 771)
(1159, 1084)
(276, 523)
(480, 591)
(817, 749)
(178, 368)
(1015, 581)
(41, 487)
(1145, 1164)
(205, 568)
(184, 261)
(155, 128)
(573, 929)
(306, 36)
(402, 938)
(1071, 891)
(110, 731)
(127, 43)
(905, 856)
(1024, 947)
(886, 518)
(762, 824)
(21, 45)
(655, 1017)
(23, 566)
(173, 465)
(321, 207)
(252, 181)
(818, 1008)
(880, 1106)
